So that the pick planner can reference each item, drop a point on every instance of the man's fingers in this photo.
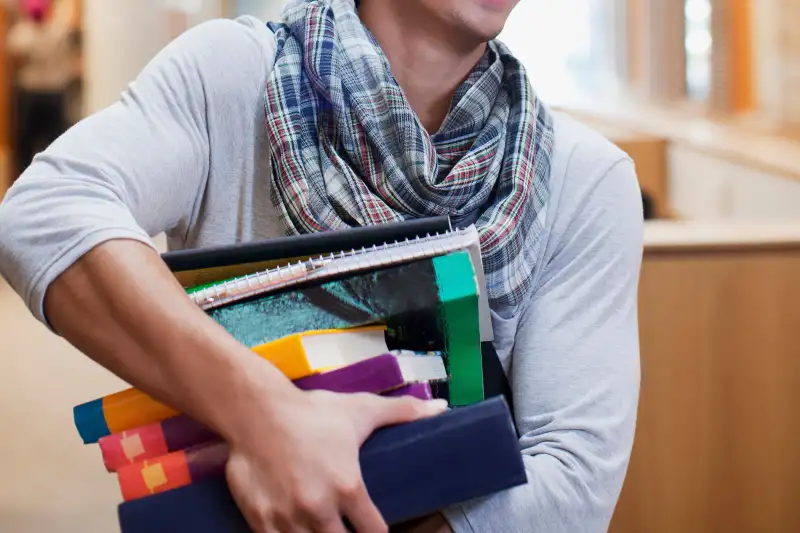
(294, 528)
(334, 525)
(319, 513)
(362, 513)
(378, 411)
(288, 525)
(256, 511)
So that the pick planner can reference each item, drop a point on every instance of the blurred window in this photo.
(698, 48)
(571, 48)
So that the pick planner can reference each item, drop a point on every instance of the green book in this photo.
(429, 304)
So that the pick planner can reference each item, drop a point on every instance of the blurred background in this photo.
(705, 97)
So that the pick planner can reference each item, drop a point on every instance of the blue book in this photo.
(410, 470)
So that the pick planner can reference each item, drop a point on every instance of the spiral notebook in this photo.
(211, 264)
(321, 267)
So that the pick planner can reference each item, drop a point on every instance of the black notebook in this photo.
(410, 470)
(201, 265)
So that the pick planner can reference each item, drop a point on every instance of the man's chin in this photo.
(485, 34)
(486, 26)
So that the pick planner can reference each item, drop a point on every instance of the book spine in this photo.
(153, 440)
(133, 408)
(459, 315)
(129, 409)
(183, 432)
(172, 471)
(417, 390)
(374, 375)
(201, 462)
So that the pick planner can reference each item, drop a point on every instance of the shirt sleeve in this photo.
(575, 366)
(137, 168)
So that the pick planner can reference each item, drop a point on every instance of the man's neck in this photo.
(428, 63)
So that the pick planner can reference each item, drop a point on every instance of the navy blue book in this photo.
(410, 470)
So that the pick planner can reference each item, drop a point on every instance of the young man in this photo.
(240, 131)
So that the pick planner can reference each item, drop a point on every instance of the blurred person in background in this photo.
(42, 50)
(348, 114)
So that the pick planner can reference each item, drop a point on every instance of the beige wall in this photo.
(705, 186)
(776, 56)
(121, 37)
(766, 58)
(263, 9)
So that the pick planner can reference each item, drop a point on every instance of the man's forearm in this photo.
(121, 306)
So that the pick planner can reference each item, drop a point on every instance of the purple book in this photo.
(379, 375)
(418, 390)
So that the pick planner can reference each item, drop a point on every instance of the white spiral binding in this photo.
(331, 265)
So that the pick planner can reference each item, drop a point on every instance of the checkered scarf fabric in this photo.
(348, 150)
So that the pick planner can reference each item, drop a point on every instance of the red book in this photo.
(197, 463)
(172, 471)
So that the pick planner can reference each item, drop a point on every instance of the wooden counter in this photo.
(704, 237)
(717, 439)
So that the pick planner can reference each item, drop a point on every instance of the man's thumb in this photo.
(378, 411)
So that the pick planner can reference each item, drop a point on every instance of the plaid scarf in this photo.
(348, 150)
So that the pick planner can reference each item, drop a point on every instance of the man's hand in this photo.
(296, 469)
(432, 524)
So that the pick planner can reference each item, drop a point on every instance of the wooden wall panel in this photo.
(719, 95)
(660, 67)
(717, 437)
(743, 88)
(732, 84)
(636, 36)
(789, 51)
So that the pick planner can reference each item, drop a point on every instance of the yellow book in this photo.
(303, 354)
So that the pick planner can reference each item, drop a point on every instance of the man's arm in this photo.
(575, 369)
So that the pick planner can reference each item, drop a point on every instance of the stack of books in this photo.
(398, 309)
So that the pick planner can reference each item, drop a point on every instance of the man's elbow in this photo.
(584, 487)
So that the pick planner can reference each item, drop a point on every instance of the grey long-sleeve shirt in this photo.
(184, 152)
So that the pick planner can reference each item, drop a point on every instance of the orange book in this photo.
(297, 356)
